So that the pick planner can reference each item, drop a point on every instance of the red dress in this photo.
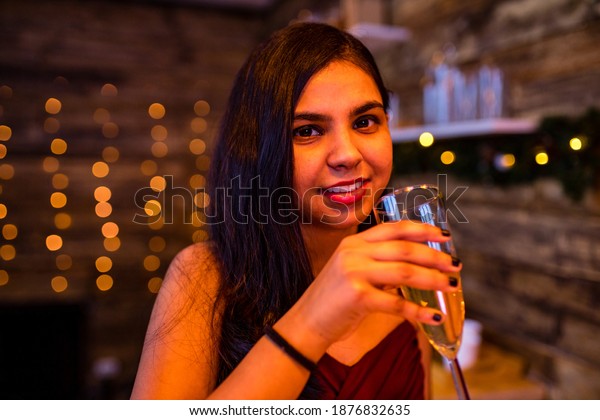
(392, 370)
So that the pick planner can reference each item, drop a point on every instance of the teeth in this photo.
(345, 188)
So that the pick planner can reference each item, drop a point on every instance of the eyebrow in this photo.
(312, 116)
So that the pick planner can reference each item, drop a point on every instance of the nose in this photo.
(344, 152)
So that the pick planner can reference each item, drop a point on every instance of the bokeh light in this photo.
(100, 169)
(151, 263)
(156, 111)
(104, 282)
(110, 154)
(110, 130)
(50, 164)
(64, 262)
(154, 284)
(7, 171)
(58, 146)
(103, 264)
(197, 146)
(159, 133)
(53, 106)
(51, 125)
(59, 284)
(198, 125)
(202, 200)
(58, 200)
(202, 108)
(103, 209)
(8, 252)
(60, 181)
(148, 167)
(112, 244)
(447, 157)
(426, 139)
(110, 229)
(197, 181)
(575, 143)
(5, 133)
(541, 158)
(62, 220)
(54, 242)
(3, 277)
(158, 183)
(157, 244)
(101, 116)
(109, 89)
(9, 231)
(159, 150)
(102, 193)
(152, 207)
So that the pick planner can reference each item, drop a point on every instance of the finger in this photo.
(396, 274)
(395, 304)
(413, 252)
(405, 229)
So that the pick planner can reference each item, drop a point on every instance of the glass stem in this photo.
(459, 380)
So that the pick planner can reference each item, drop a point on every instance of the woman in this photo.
(289, 299)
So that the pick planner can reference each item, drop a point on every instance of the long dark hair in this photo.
(255, 231)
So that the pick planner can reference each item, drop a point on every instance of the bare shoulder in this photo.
(192, 275)
(180, 352)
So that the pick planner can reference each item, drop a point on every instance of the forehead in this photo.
(339, 79)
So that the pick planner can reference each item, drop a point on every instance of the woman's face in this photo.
(342, 147)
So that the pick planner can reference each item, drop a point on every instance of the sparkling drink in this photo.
(425, 204)
(445, 338)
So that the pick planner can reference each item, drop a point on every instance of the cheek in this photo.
(381, 161)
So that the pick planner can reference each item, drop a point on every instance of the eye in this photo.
(366, 124)
(306, 132)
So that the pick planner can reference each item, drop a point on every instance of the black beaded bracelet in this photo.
(289, 349)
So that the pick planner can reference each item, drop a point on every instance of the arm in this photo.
(180, 361)
(179, 358)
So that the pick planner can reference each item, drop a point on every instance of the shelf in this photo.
(465, 129)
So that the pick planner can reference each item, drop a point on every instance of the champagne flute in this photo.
(425, 204)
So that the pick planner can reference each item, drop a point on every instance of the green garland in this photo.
(477, 159)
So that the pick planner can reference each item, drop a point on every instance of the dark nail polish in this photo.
(453, 281)
(437, 317)
(455, 261)
(445, 232)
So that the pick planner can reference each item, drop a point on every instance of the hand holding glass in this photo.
(425, 204)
